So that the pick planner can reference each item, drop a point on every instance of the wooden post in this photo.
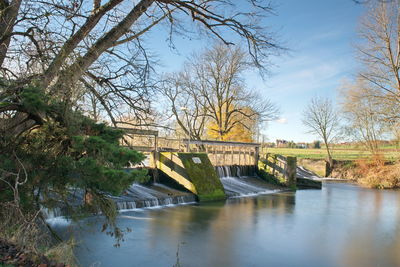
(215, 157)
(251, 158)
(155, 159)
(187, 146)
(256, 155)
(273, 165)
(232, 163)
(220, 156)
(223, 157)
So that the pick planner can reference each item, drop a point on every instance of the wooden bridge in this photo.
(220, 153)
(185, 160)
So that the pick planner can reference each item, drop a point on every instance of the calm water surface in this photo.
(340, 225)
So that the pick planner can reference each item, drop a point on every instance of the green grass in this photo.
(338, 154)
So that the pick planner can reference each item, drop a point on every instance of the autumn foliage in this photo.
(241, 129)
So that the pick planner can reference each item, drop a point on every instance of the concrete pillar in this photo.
(291, 171)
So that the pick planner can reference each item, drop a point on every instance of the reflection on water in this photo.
(340, 225)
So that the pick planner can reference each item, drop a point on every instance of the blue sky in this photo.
(320, 36)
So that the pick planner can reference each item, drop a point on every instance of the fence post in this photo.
(155, 159)
(274, 157)
(187, 146)
(232, 160)
(223, 157)
(256, 155)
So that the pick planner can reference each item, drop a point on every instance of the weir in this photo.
(199, 171)
(212, 169)
(242, 181)
(197, 167)
(137, 196)
(194, 171)
(209, 169)
(140, 196)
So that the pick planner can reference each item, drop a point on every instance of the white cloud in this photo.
(282, 120)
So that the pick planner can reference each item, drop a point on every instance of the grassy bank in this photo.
(375, 172)
(339, 153)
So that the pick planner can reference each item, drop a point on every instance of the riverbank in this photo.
(378, 174)
(14, 255)
(371, 173)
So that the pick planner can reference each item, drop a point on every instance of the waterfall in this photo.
(155, 195)
(241, 181)
(235, 171)
(137, 196)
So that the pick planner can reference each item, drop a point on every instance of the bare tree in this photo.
(321, 118)
(379, 53)
(72, 48)
(185, 105)
(365, 120)
(211, 90)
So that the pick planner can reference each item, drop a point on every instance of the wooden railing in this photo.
(219, 152)
(280, 166)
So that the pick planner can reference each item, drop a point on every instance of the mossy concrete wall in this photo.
(290, 173)
(195, 172)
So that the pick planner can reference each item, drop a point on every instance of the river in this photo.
(340, 225)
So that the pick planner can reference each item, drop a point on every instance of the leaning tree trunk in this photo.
(8, 16)
(74, 72)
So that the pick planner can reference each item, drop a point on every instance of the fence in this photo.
(280, 166)
(222, 153)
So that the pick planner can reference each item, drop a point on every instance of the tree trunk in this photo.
(74, 72)
(8, 15)
(75, 39)
(329, 162)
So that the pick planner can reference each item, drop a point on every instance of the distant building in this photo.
(281, 143)
(301, 145)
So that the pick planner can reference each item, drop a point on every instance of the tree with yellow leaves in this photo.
(243, 129)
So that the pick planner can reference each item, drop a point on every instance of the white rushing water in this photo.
(136, 197)
(157, 195)
(237, 181)
(242, 181)
(302, 172)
